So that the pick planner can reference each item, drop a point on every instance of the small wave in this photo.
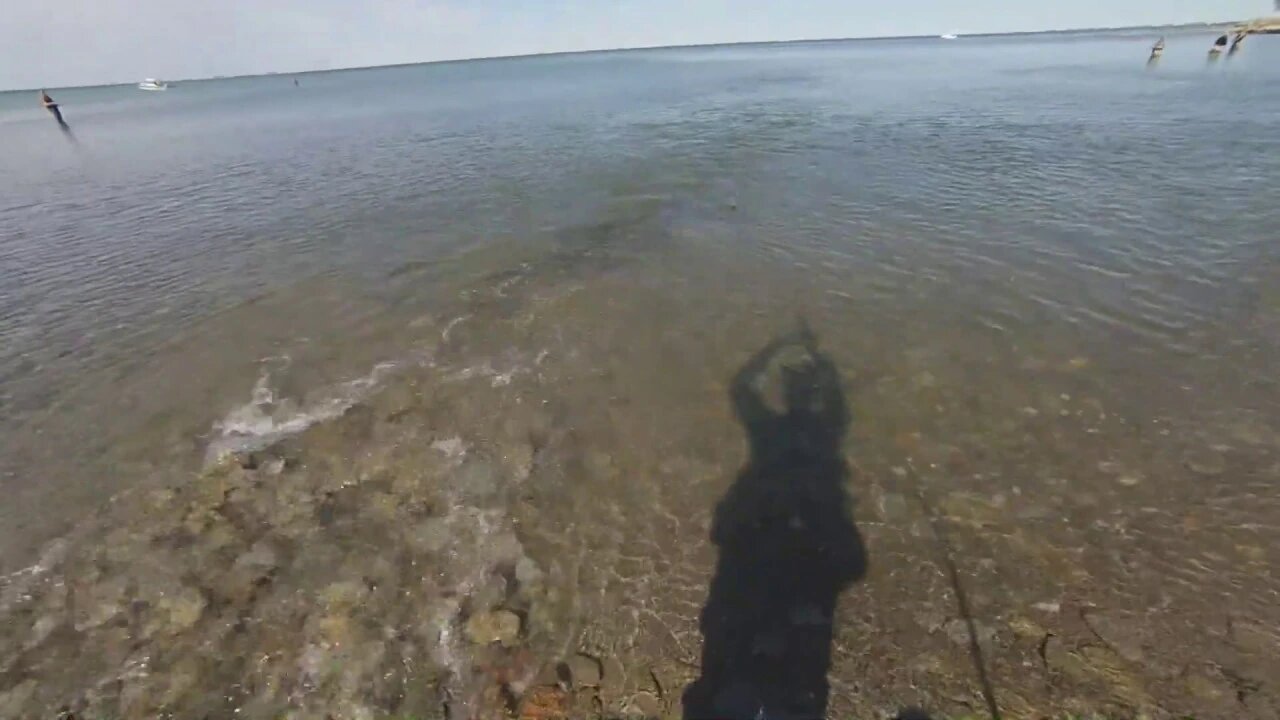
(266, 419)
(16, 586)
(444, 335)
(497, 378)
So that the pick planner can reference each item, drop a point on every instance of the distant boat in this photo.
(153, 85)
(949, 36)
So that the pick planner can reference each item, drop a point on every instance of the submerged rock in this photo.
(251, 570)
(99, 603)
(957, 631)
(477, 479)
(893, 507)
(1026, 628)
(498, 626)
(612, 679)
(528, 572)
(41, 630)
(177, 611)
(583, 671)
(1060, 658)
(431, 535)
(1255, 638)
(643, 704)
(1207, 688)
(14, 701)
(1206, 461)
(519, 460)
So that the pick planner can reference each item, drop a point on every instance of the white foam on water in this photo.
(497, 378)
(444, 335)
(266, 419)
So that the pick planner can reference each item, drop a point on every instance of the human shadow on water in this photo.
(787, 543)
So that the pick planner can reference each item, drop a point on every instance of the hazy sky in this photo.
(73, 42)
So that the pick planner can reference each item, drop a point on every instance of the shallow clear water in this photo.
(1046, 272)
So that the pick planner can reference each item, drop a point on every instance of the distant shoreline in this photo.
(1207, 26)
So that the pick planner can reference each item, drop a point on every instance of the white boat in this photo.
(949, 36)
(153, 85)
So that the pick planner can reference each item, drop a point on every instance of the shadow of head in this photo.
(787, 543)
(814, 399)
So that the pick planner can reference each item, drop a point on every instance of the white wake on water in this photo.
(267, 418)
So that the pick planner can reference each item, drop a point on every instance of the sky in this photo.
(82, 42)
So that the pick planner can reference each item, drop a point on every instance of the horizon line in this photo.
(636, 48)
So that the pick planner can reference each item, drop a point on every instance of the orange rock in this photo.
(545, 703)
